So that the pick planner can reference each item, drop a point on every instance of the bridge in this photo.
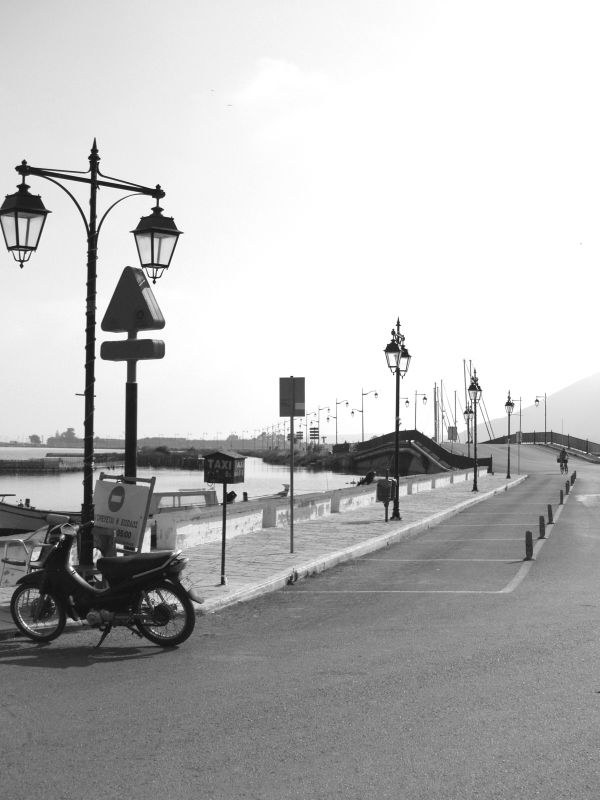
(418, 454)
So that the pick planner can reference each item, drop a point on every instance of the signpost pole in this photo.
(292, 467)
(223, 536)
(131, 394)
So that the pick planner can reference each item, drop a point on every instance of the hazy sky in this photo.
(334, 164)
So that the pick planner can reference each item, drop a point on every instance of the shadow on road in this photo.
(56, 656)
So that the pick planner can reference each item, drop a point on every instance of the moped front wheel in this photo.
(165, 614)
(38, 615)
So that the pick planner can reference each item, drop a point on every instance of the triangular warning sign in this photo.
(133, 306)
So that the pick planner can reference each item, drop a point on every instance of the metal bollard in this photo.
(561, 497)
(567, 487)
(528, 545)
(542, 528)
(550, 517)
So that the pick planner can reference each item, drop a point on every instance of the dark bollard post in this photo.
(542, 528)
(567, 487)
(561, 497)
(528, 545)
(550, 517)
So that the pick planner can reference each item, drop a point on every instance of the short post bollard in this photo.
(567, 487)
(528, 545)
(561, 497)
(550, 517)
(542, 528)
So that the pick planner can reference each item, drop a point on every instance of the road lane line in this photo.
(489, 539)
(425, 560)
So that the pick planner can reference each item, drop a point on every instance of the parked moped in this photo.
(141, 592)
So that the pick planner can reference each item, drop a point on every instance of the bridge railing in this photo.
(551, 437)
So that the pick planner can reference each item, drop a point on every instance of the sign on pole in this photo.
(291, 404)
(224, 466)
(291, 388)
(123, 508)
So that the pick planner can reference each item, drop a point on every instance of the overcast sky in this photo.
(334, 164)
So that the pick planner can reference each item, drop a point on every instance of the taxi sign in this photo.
(224, 466)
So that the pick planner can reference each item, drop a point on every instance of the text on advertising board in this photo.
(121, 508)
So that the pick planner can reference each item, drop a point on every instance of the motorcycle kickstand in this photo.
(105, 633)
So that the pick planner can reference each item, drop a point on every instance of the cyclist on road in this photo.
(563, 460)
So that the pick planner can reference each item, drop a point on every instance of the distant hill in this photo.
(574, 410)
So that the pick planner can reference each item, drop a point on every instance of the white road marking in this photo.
(426, 560)
(510, 586)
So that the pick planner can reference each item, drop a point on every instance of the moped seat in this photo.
(120, 568)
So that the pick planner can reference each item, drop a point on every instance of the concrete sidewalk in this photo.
(261, 562)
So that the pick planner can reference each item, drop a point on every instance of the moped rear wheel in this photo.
(165, 614)
(38, 615)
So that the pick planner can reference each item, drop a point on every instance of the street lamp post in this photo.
(475, 395)
(319, 409)
(362, 409)
(22, 217)
(509, 407)
(335, 416)
(537, 403)
(424, 396)
(398, 360)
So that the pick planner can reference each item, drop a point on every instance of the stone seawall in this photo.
(182, 530)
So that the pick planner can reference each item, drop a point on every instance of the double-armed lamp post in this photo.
(475, 395)
(361, 410)
(398, 360)
(424, 396)
(22, 217)
(337, 403)
(509, 407)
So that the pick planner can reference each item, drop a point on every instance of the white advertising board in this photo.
(122, 508)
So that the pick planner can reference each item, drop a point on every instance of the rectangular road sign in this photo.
(289, 387)
(132, 350)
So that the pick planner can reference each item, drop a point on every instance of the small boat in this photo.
(21, 518)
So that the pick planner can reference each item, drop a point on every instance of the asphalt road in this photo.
(441, 668)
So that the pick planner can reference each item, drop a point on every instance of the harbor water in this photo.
(64, 491)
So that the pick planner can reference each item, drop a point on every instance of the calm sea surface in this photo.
(64, 492)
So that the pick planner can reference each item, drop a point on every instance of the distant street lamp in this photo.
(398, 360)
(475, 395)
(307, 428)
(22, 218)
(319, 409)
(361, 410)
(537, 403)
(509, 407)
(424, 396)
(335, 416)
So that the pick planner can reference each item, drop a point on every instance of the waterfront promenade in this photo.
(261, 562)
